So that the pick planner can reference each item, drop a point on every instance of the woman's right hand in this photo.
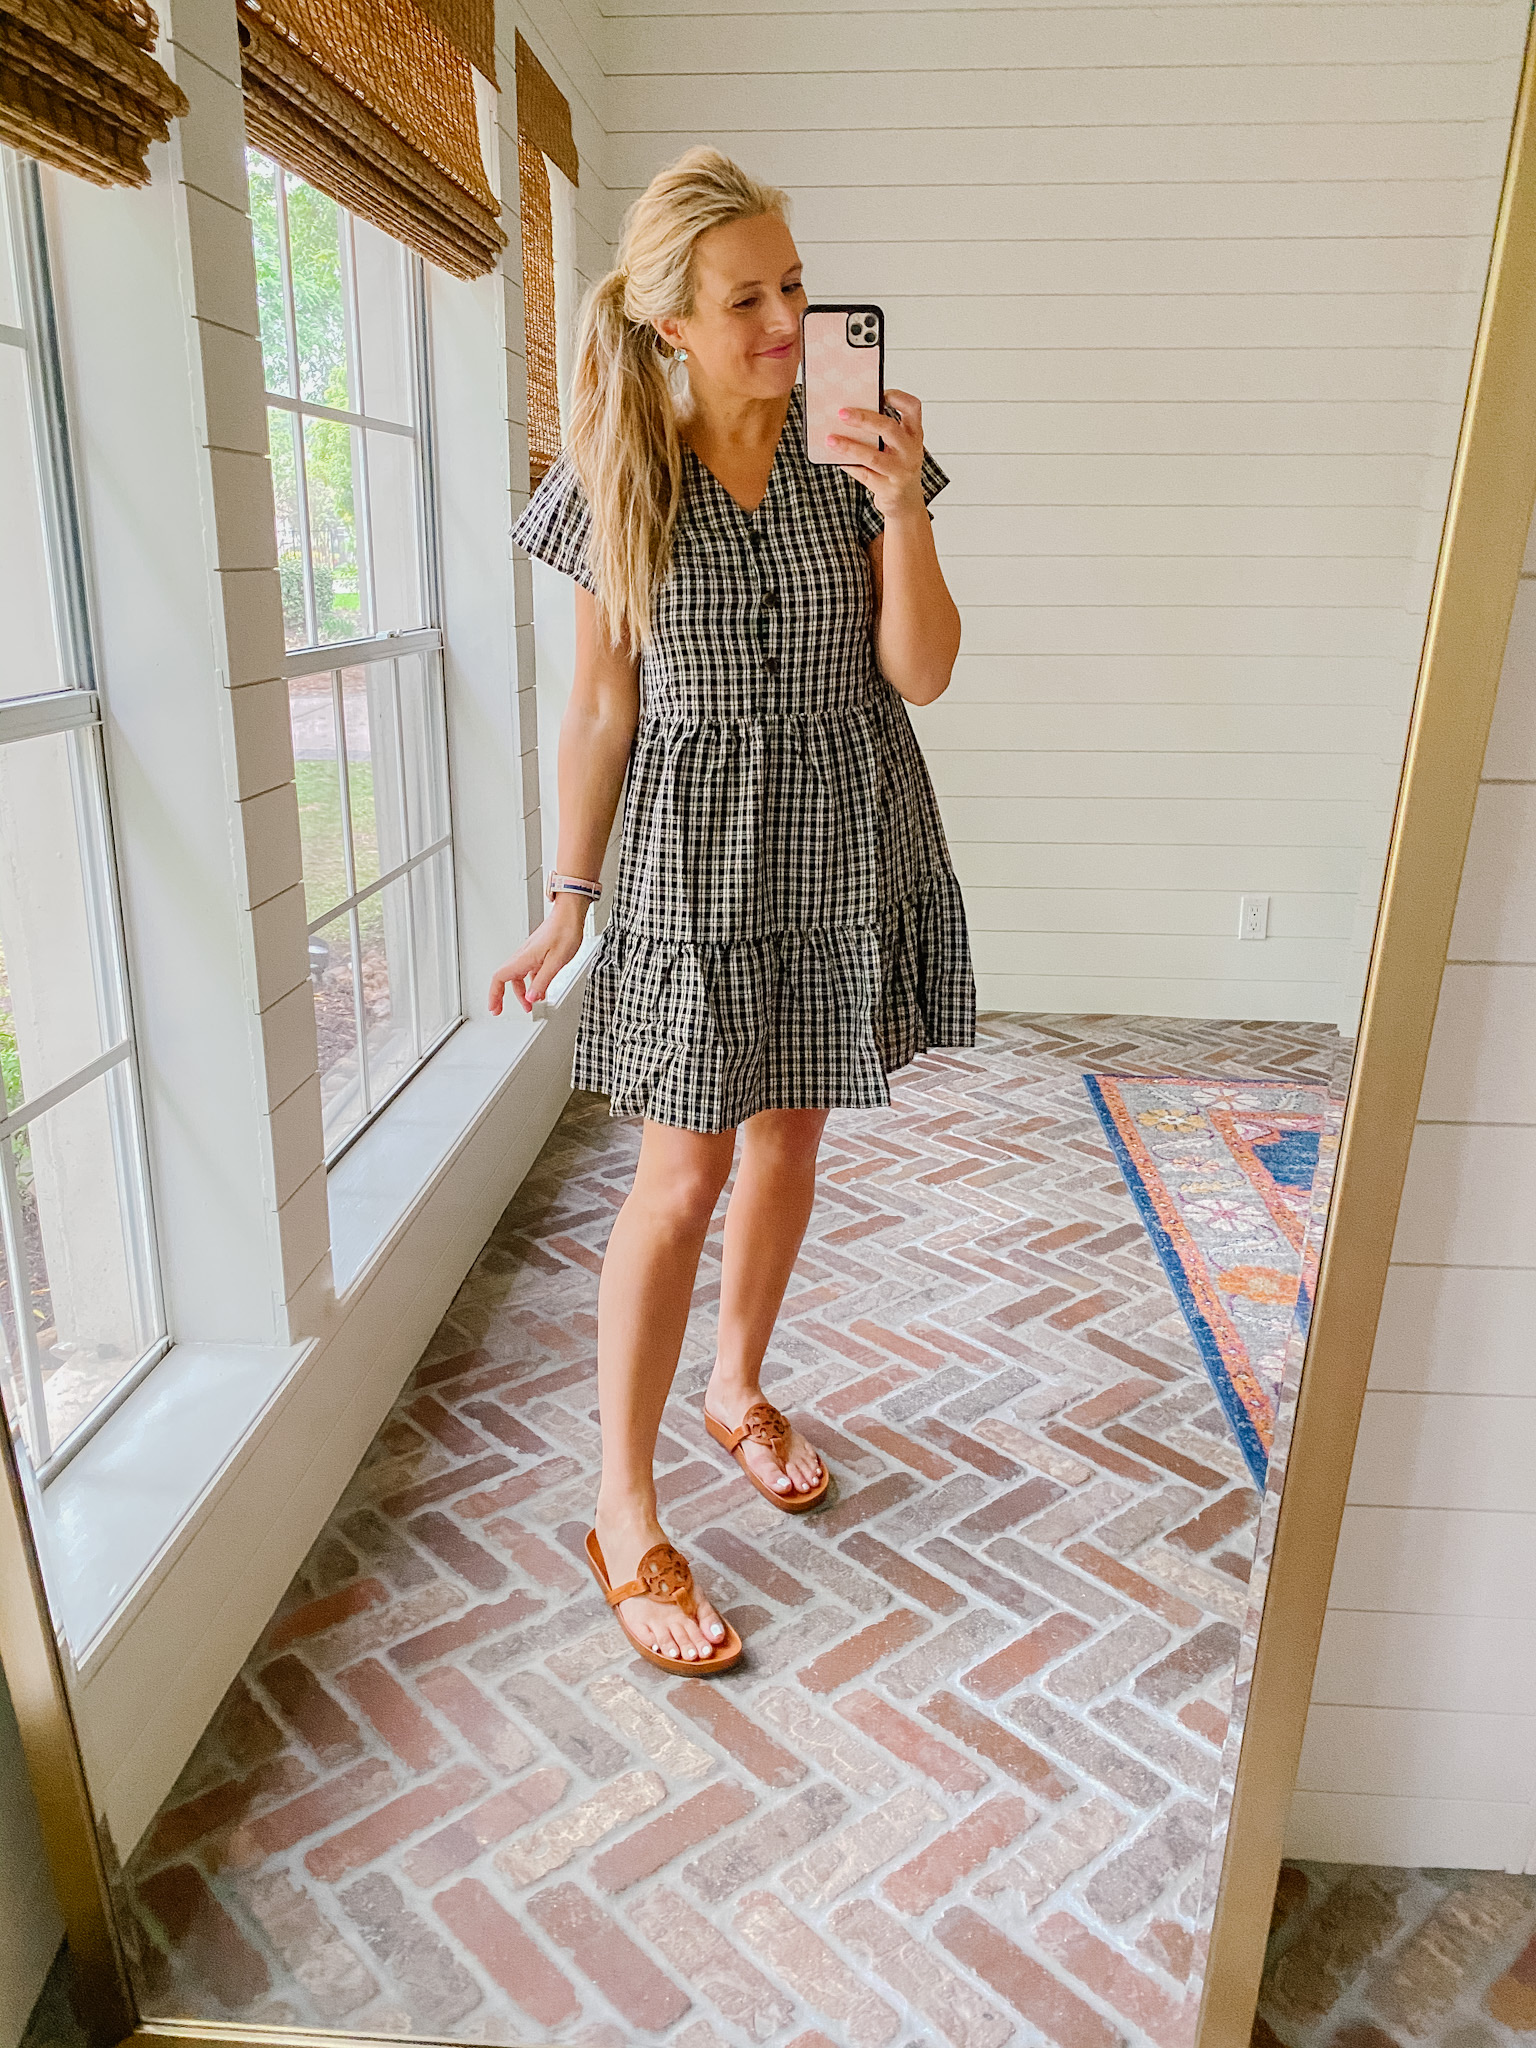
(534, 966)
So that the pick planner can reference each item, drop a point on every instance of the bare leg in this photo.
(647, 1284)
(769, 1209)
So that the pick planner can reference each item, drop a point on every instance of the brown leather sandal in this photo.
(663, 1574)
(765, 1425)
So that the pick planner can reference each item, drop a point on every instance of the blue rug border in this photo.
(1238, 1419)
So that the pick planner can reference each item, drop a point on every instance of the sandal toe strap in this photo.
(662, 1574)
(766, 1426)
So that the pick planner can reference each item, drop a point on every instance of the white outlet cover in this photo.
(1253, 917)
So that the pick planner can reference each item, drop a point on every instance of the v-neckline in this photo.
(751, 512)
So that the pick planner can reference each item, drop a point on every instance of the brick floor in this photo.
(959, 1789)
(1380, 1958)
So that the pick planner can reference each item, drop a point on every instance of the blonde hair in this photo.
(623, 441)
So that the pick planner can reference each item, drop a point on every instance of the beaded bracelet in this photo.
(572, 885)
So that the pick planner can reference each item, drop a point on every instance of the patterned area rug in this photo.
(1222, 1175)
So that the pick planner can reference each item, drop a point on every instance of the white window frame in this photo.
(74, 711)
(332, 657)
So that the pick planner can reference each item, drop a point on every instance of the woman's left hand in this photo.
(893, 475)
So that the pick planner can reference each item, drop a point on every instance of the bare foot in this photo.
(625, 1536)
(798, 1469)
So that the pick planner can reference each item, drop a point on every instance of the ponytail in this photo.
(624, 447)
(623, 439)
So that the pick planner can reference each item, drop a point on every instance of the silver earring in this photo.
(682, 355)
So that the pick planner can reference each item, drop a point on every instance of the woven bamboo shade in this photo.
(80, 89)
(543, 130)
(544, 112)
(539, 312)
(470, 25)
(369, 101)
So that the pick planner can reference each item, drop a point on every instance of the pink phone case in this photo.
(844, 354)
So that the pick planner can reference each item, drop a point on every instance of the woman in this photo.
(787, 929)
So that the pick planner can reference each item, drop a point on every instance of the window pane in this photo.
(363, 690)
(282, 444)
(59, 1010)
(88, 1297)
(319, 297)
(330, 972)
(384, 924)
(425, 768)
(384, 326)
(312, 718)
(262, 176)
(10, 1052)
(79, 1304)
(399, 598)
(437, 975)
(31, 661)
(330, 460)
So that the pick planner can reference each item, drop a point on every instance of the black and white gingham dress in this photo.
(787, 929)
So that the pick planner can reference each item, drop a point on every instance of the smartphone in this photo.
(843, 349)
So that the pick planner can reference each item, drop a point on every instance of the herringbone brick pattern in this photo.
(961, 1788)
(1380, 1958)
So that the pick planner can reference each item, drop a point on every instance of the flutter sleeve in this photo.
(872, 519)
(556, 525)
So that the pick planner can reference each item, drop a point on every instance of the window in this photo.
(549, 323)
(343, 325)
(547, 171)
(539, 310)
(80, 1312)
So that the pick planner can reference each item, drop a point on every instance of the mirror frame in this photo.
(1477, 571)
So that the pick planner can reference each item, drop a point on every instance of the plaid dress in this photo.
(787, 929)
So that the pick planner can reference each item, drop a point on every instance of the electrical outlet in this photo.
(1253, 917)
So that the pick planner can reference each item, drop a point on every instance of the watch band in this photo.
(572, 885)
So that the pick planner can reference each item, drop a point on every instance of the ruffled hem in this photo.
(701, 1037)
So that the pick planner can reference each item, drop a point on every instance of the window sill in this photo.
(149, 1475)
(116, 1519)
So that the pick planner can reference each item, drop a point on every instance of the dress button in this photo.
(770, 599)
(772, 664)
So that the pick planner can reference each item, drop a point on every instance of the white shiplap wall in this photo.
(1421, 1743)
(1189, 292)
